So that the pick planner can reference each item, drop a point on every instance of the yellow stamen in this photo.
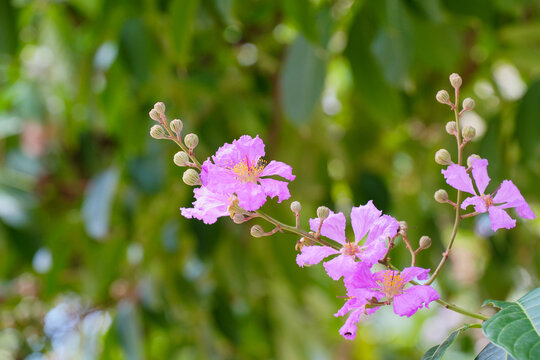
(391, 283)
(350, 249)
(249, 171)
(488, 200)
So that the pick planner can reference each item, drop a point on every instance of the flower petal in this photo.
(312, 255)
(480, 175)
(414, 298)
(410, 273)
(251, 196)
(348, 330)
(275, 188)
(385, 227)
(500, 218)
(333, 227)
(278, 168)
(339, 266)
(245, 148)
(373, 252)
(508, 196)
(208, 206)
(363, 218)
(479, 204)
(360, 278)
(457, 177)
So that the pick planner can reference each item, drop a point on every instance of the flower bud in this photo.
(157, 132)
(451, 127)
(442, 157)
(425, 242)
(296, 207)
(159, 107)
(181, 158)
(441, 196)
(176, 126)
(443, 97)
(455, 80)
(257, 231)
(323, 212)
(154, 115)
(191, 177)
(238, 218)
(191, 141)
(468, 133)
(470, 159)
(468, 104)
(403, 226)
(299, 244)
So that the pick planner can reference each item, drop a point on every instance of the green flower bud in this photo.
(451, 127)
(443, 97)
(181, 158)
(257, 231)
(470, 159)
(296, 207)
(157, 132)
(442, 157)
(425, 242)
(468, 104)
(191, 141)
(441, 196)
(191, 177)
(468, 133)
(176, 126)
(238, 218)
(159, 107)
(455, 80)
(154, 115)
(323, 212)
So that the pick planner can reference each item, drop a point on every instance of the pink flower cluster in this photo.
(237, 174)
(366, 290)
(506, 196)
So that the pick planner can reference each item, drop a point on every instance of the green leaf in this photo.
(493, 352)
(438, 351)
(515, 327)
(182, 14)
(8, 29)
(138, 48)
(527, 124)
(302, 81)
(301, 14)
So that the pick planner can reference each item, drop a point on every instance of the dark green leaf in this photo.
(437, 351)
(302, 81)
(527, 124)
(8, 31)
(138, 48)
(182, 17)
(515, 327)
(301, 13)
(493, 352)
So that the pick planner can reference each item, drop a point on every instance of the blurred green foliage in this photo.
(342, 90)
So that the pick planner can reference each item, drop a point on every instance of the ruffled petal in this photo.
(278, 168)
(500, 218)
(373, 252)
(245, 148)
(414, 298)
(525, 211)
(275, 188)
(312, 255)
(360, 278)
(208, 206)
(348, 330)
(479, 204)
(363, 218)
(457, 177)
(508, 196)
(339, 266)
(218, 179)
(410, 273)
(385, 227)
(480, 175)
(333, 227)
(251, 196)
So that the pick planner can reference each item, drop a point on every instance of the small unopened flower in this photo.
(191, 177)
(504, 197)
(441, 196)
(191, 141)
(157, 132)
(443, 97)
(176, 126)
(451, 127)
(443, 157)
(323, 212)
(159, 107)
(365, 220)
(468, 104)
(425, 242)
(455, 80)
(181, 158)
(468, 133)
(296, 207)
(385, 287)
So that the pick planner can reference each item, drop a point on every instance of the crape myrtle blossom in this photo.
(367, 291)
(506, 196)
(209, 206)
(238, 169)
(366, 219)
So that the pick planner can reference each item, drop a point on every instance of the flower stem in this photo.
(457, 220)
(174, 138)
(461, 310)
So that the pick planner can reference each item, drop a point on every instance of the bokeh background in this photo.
(95, 258)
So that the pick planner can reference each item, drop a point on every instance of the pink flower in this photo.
(364, 219)
(208, 206)
(238, 168)
(506, 196)
(383, 287)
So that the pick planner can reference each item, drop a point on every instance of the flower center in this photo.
(350, 249)
(391, 283)
(488, 200)
(249, 170)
